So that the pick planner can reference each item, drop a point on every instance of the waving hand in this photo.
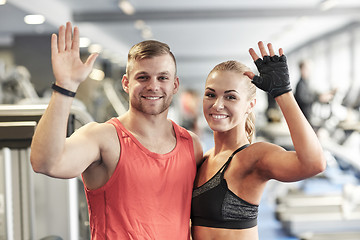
(273, 69)
(68, 68)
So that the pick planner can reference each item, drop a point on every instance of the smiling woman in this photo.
(223, 88)
(231, 180)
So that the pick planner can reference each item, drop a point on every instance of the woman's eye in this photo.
(209, 95)
(231, 97)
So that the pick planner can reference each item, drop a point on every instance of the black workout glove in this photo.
(274, 75)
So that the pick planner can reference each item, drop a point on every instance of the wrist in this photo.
(62, 90)
(276, 92)
(284, 97)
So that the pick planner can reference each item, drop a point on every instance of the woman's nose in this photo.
(219, 104)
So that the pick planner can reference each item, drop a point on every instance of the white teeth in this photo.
(152, 98)
(219, 116)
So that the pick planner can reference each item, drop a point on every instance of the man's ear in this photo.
(125, 83)
(176, 84)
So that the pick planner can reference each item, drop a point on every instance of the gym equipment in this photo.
(331, 214)
(33, 206)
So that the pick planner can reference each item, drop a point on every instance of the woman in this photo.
(232, 178)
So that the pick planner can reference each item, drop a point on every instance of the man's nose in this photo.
(153, 84)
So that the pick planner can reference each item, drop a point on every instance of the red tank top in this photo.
(149, 194)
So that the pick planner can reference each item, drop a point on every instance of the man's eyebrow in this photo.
(142, 72)
(160, 73)
(164, 73)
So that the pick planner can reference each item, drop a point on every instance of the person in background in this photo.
(138, 169)
(305, 96)
(232, 178)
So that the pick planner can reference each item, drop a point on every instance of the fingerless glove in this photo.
(274, 75)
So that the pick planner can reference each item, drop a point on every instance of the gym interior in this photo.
(327, 37)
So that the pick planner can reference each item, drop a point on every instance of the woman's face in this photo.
(225, 102)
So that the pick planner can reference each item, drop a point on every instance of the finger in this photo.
(54, 45)
(253, 54)
(271, 49)
(76, 39)
(68, 36)
(262, 49)
(281, 52)
(61, 40)
(91, 59)
(249, 74)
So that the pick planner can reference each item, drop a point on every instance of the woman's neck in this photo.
(229, 140)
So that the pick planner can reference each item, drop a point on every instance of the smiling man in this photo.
(138, 169)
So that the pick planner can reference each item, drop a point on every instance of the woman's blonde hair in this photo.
(240, 68)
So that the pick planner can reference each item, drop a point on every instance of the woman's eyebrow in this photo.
(208, 88)
(228, 91)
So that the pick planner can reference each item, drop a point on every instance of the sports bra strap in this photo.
(224, 167)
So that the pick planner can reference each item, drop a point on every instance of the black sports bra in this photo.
(214, 205)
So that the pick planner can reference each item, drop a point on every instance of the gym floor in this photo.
(269, 227)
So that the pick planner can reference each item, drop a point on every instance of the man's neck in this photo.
(149, 130)
(145, 125)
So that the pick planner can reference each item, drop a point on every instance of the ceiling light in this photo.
(34, 19)
(126, 7)
(84, 42)
(95, 48)
(146, 33)
(2, 2)
(327, 4)
(97, 75)
(139, 24)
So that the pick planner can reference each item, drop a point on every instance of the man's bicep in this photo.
(81, 150)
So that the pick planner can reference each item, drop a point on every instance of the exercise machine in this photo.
(34, 206)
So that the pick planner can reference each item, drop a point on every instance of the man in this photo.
(138, 169)
(305, 96)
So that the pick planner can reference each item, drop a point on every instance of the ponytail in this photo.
(250, 126)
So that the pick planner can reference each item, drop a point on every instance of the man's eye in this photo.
(163, 78)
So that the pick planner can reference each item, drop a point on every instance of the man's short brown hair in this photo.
(148, 49)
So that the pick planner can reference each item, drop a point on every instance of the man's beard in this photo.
(143, 107)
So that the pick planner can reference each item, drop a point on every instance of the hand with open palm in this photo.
(69, 70)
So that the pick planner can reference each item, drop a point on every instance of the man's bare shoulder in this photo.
(101, 133)
(198, 150)
(97, 128)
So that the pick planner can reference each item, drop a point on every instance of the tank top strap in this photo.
(224, 167)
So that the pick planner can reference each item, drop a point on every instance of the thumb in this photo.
(249, 74)
(91, 59)
(257, 80)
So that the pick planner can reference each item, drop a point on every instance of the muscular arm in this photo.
(57, 156)
(308, 158)
(51, 152)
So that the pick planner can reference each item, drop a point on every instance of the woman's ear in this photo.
(251, 106)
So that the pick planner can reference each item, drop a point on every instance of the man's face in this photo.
(151, 84)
